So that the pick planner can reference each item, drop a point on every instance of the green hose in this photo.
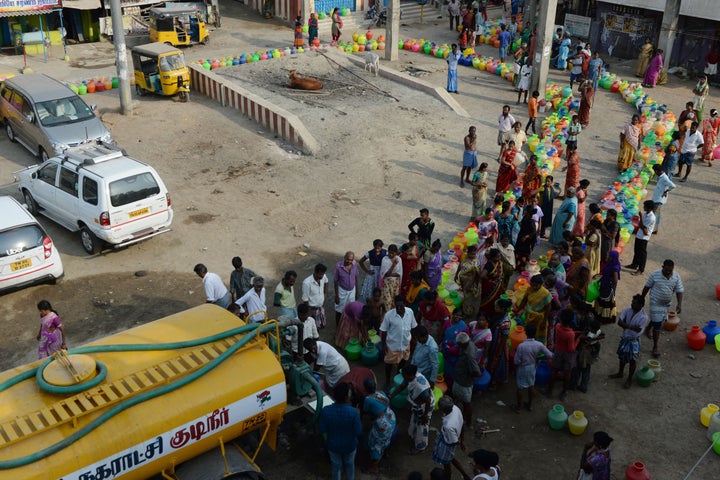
(131, 402)
(131, 347)
(319, 394)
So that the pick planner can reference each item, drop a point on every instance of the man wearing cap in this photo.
(466, 371)
(395, 331)
(215, 290)
(450, 436)
(663, 187)
(254, 301)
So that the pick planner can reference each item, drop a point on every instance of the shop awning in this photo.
(25, 13)
(81, 4)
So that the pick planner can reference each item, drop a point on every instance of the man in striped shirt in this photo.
(662, 284)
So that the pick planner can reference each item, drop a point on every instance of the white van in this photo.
(27, 254)
(97, 189)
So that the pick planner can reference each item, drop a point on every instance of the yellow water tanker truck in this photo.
(141, 402)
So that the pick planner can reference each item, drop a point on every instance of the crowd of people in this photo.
(565, 309)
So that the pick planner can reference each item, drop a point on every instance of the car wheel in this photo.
(90, 242)
(43, 155)
(30, 202)
(10, 133)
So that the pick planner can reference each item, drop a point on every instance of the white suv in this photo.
(97, 189)
(27, 253)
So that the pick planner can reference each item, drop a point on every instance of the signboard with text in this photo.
(577, 26)
(28, 5)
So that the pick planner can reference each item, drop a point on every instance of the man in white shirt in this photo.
(314, 291)
(642, 236)
(395, 331)
(326, 356)
(664, 185)
(450, 436)
(254, 301)
(215, 290)
(505, 123)
(693, 142)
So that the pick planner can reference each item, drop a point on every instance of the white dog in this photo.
(372, 63)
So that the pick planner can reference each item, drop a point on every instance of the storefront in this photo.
(624, 26)
(18, 17)
(81, 20)
(698, 32)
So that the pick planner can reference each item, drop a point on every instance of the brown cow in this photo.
(304, 83)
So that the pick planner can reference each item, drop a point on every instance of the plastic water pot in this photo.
(645, 376)
(696, 338)
(711, 330)
(557, 418)
(577, 422)
(352, 351)
(637, 471)
(707, 412)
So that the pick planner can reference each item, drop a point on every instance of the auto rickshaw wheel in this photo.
(139, 91)
(205, 40)
(184, 96)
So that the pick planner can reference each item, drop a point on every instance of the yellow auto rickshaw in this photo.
(161, 69)
(177, 26)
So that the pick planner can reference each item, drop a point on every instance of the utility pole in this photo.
(543, 46)
(121, 62)
(392, 30)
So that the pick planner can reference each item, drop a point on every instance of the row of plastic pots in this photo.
(94, 85)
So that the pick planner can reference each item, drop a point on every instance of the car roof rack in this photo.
(91, 154)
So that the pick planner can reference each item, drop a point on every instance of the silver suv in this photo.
(46, 117)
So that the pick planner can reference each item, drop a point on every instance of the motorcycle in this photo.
(377, 17)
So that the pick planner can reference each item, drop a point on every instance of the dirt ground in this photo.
(238, 190)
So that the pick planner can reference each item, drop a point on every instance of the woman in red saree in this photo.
(433, 314)
(572, 177)
(586, 99)
(491, 277)
(409, 256)
(532, 181)
(710, 127)
(507, 173)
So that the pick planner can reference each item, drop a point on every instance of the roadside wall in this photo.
(276, 119)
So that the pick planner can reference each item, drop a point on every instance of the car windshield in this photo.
(20, 239)
(63, 111)
(133, 188)
(172, 62)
